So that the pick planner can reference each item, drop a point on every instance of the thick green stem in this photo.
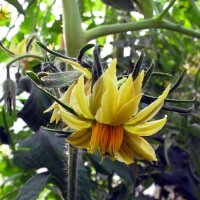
(72, 30)
(153, 23)
(74, 39)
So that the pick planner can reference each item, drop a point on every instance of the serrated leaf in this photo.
(33, 187)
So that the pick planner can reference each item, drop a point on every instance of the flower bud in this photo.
(9, 96)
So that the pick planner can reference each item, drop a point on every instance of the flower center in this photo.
(106, 138)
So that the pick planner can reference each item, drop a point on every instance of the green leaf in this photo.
(33, 187)
(109, 167)
(83, 182)
(32, 112)
(120, 4)
(44, 149)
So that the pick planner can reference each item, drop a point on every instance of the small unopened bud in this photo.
(9, 95)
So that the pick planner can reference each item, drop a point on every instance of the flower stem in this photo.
(24, 56)
(72, 163)
(74, 39)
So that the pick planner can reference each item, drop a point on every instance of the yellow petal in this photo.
(79, 68)
(107, 95)
(126, 92)
(125, 154)
(80, 139)
(65, 98)
(111, 70)
(126, 111)
(55, 116)
(151, 110)
(146, 128)
(78, 100)
(50, 108)
(74, 122)
(21, 47)
(140, 146)
(101, 85)
(95, 97)
(108, 102)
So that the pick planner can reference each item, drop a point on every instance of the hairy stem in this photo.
(72, 176)
(74, 39)
(22, 57)
(72, 30)
(153, 23)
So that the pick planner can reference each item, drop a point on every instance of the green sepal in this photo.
(83, 50)
(60, 79)
(177, 83)
(148, 74)
(59, 133)
(178, 109)
(152, 98)
(53, 52)
(35, 80)
(138, 64)
(161, 74)
(33, 76)
(97, 68)
(197, 80)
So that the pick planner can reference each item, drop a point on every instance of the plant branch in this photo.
(72, 164)
(72, 30)
(165, 11)
(74, 39)
(24, 56)
(153, 23)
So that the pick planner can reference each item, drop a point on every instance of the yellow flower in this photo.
(4, 12)
(18, 49)
(108, 120)
(56, 116)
